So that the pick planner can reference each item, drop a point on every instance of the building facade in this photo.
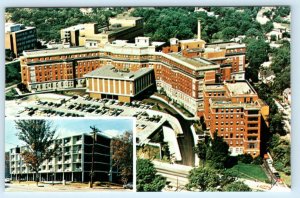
(57, 69)
(18, 38)
(234, 111)
(123, 85)
(72, 163)
(120, 28)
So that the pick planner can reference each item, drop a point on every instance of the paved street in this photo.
(30, 187)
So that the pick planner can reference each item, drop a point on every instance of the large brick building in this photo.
(235, 112)
(187, 70)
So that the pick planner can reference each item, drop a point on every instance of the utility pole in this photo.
(95, 131)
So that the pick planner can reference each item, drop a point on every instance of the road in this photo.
(186, 141)
(176, 174)
(23, 187)
(7, 89)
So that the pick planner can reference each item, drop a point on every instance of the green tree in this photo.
(229, 32)
(204, 179)
(209, 179)
(39, 136)
(201, 151)
(268, 27)
(122, 156)
(257, 53)
(237, 187)
(147, 179)
(218, 152)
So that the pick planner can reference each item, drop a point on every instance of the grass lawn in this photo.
(285, 178)
(250, 171)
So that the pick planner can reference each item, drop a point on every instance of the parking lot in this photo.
(55, 105)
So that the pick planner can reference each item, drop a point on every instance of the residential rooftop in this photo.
(110, 72)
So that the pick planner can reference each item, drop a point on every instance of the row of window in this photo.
(227, 116)
(230, 129)
(231, 123)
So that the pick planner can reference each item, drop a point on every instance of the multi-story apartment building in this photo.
(235, 112)
(72, 163)
(123, 85)
(120, 28)
(19, 38)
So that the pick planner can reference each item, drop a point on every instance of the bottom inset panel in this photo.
(68, 155)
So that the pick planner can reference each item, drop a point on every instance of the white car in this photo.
(7, 180)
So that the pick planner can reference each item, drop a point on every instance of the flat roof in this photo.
(240, 88)
(109, 71)
(198, 62)
(191, 40)
(215, 87)
(57, 51)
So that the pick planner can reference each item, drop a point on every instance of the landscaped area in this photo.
(250, 171)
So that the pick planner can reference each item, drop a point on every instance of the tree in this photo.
(123, 155)
(257, 53)
(204, 179)
(201, 151)
(40, 140)
(208, 179)
(237, 187)
(218, 152)
(245, 158)
(229, 32)
(147, 179)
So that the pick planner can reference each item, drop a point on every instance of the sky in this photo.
(71, 126)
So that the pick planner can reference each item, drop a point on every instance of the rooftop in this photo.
(75, 27)
(56, 51)
(198, 62)
(191, 40)
(216, 103)
(240, 88)
(109, 71)
(16, 27)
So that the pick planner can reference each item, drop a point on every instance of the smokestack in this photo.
(199, 30)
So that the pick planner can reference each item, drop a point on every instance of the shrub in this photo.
(246, 158)
(258, 160)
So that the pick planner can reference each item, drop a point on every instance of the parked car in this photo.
(128, 186)
(7, 180)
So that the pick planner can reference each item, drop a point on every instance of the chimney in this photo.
(199, 30)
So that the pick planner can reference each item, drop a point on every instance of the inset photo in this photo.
(68, 155)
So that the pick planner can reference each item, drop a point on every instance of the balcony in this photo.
(78, 169)
(68, 161)
(78, 142)
(68, 170)
(77, 161)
